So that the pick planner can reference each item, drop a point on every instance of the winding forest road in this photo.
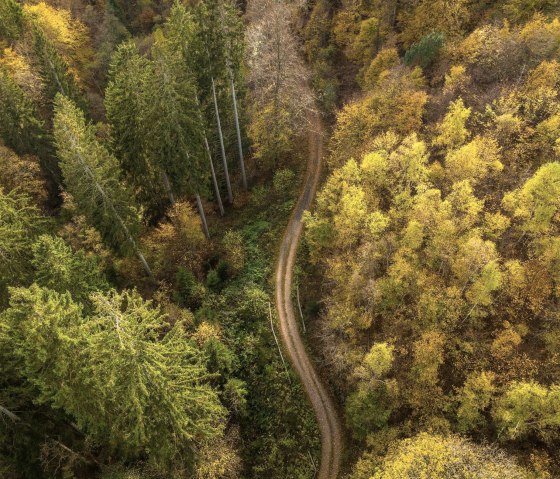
(325, 411)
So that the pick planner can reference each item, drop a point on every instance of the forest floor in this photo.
(325, 410)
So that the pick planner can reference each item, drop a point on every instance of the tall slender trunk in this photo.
(121, 222)
(53, 69)
(225, 32)
(167, 186)
(238, 129)
(131, 240)
(214, 180)
(226, 172)
(209, 153)
(140, 256)
(394, 15)
(202, 216)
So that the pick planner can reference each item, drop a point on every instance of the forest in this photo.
(155, 157)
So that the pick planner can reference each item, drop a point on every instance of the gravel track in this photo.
(325, 411)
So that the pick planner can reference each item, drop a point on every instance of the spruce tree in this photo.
(20, 127)
(125, 97)
(173, 140)
(168, 407)
(59, 268)
(22, 130)
(93, 177)
(234, 49)
(20, 223)
(181, 36)
(174, 132)
(156, 122)
(209, 48)
(11, 26)
(54, 70)
(130, 381)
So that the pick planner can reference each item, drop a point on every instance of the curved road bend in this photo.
(327, 418)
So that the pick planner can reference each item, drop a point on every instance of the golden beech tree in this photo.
(452, 131)
(439, 457)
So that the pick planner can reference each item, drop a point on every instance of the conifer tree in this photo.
(168, 407)
(213, 74)
(132, 382)
(155, 117)
(59, 268)
(173, 140)
(233, 32)
(181, 37)
(93, 178)
(123, 104)
(20, 127)
(11, 26)
(124, 101)
(54, 70)
(20, 223)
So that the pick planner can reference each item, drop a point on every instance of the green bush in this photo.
(284, 180)
(189, 292)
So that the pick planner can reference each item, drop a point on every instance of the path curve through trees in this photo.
(325, 411)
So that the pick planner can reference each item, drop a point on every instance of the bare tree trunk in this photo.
(212, 170)
(143, 261)
(226, 172)
(130, 239)
(132, 242)
(9, 413)
(214, 180)
(238, 129)
(202, 216)
(394, 15)
(167, 187)
(60, 87)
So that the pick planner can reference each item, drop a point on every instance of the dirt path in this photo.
(329, 425)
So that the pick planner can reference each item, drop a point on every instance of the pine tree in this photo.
(93, 178)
